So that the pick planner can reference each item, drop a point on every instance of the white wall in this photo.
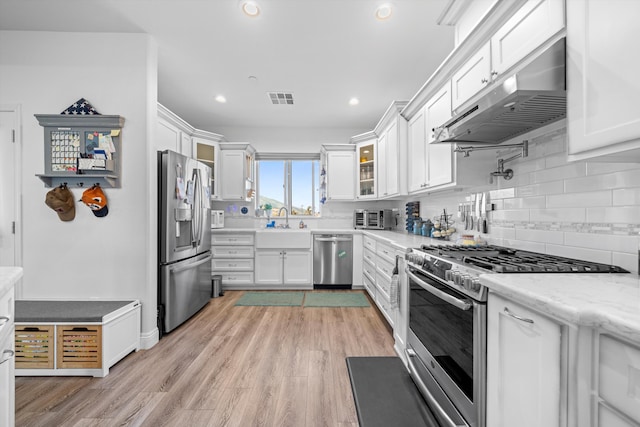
(112, 257)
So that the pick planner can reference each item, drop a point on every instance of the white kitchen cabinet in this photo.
(391, 152)
(7, 359)
(418, 159)
(339, 161)
(378, 262)
(236, 172)
(473, 76)
(440, 156)
(172, 133)
(603, 114)
(206, 150)
(525, 366)
(367, 173)
(532, 25)
(233, 258)
(278, 267)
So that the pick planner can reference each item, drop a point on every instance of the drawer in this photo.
(232, 239)
(241, 264)
(237, 278)
(232, 251)
(369, 286)
(369, 271)
(369, 257)
(34, 346)
(385, 307)
(384, 285)
(79, 346)
(369, 243)
(619, 376)
(385, 268)
(386, 252)
(6, 313)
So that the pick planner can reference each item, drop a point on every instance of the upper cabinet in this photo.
(603, 113)
(418, 158)
(367, 171)
(338, 181)
(236, 172)
(391, 149)
(533, 24)
(206, 149)
(173, 133)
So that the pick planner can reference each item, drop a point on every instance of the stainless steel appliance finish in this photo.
(531, 98)
(332, 261)
(184, 238)
(446, 344)
(378, 219)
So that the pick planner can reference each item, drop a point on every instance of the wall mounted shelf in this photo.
(68, 137)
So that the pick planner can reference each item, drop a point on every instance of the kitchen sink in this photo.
(283, 238)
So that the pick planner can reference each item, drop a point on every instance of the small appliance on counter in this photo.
(378, 219)
(217, 219)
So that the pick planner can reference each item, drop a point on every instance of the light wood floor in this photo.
(227, 366)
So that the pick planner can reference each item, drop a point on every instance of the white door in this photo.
(268, 267)
(9, 208)
(297, 267)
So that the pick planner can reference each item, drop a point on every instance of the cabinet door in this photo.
(340, 175)
(232, 178)
(207, 152)
(268, 267)
(440, 156)
(391, 159)
(532, 25)
(367, 169)
(418, 165)
(297, 267)
(381, 163)
(523, 366)
(7, 380)
(168, 137)
(473, 76)
(602, 100)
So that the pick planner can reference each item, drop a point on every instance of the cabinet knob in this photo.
(483, 81)
(494, 73)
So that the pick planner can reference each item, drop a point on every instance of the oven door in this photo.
(447, 350)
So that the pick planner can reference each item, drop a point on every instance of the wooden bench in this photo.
(74, 338)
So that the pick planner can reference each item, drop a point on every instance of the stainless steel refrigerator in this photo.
(184, 238)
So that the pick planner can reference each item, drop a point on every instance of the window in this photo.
(289, 183)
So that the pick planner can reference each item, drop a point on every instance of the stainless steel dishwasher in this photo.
(332, 261)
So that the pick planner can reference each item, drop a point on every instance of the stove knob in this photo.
(475, 285)
(448, 275)
(467, 281)
(458, 278)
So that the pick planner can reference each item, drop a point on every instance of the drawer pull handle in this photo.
(522, 319)
(4, 319)
(6, 356)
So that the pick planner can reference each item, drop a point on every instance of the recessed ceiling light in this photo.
(221, 99)
(250, 8)
(354, 101)
(383, 12)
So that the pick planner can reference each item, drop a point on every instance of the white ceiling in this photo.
(323, 51)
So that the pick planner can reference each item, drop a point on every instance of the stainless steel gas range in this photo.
(446, 345)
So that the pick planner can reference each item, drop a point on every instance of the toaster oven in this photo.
(373, 219)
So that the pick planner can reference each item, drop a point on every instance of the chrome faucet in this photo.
(286, 221)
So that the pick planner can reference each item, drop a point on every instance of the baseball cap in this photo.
(60, 199)
(96, 200)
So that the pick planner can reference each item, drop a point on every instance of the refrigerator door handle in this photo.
(174, 269)
(196, 207)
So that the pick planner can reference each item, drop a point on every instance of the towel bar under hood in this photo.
(532, 97)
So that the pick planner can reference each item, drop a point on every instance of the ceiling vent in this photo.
(281, 98)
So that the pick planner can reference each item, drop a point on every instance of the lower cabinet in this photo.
(377, 273)
(7, 381)
(233, 258)
(525, 367)
(278, 267)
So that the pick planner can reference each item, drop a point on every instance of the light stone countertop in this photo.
(8, 277)
(610, 302)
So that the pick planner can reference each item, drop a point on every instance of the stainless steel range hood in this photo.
(530, 98)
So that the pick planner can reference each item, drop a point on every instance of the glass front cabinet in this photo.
(366, 171)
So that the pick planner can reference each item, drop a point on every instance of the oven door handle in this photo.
(461, 304)
(440, 413)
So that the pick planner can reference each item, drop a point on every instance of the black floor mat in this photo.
(385, 395)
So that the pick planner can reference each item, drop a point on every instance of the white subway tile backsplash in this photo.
(622, 179)
(615, 214)
(578, 200)
(573, 170)
(500, 232)
(599, 168)
(574, 252)
(553, 187)
(626, 197)
(607, 242)
(558, 215)
(540, 236)
(504, 193)
(525, 203)
(511, 215)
